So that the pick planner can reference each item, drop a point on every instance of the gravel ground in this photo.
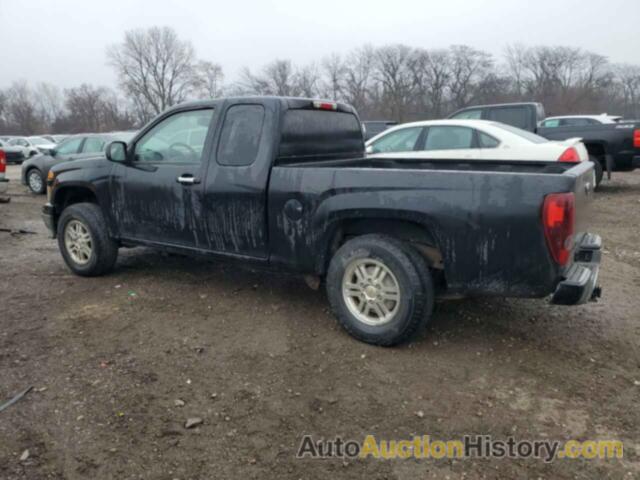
(119, 363)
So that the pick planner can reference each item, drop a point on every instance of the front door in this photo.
(159, 191)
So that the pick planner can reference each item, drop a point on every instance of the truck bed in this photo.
(486, 226)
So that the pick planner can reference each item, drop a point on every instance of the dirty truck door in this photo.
(159, 191)
(235, 202)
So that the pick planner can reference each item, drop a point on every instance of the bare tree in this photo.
(333, 69)
(50, 104)
(628, 81)
(276, 78)
(21, 109)
(155, 68)
(208, 79)
(358, 76)
(394, 73)
(93, 109)
(431, 72)
(515, 62)
(468, 68)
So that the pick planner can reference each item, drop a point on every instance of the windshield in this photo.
(532, 137)
(39, 140)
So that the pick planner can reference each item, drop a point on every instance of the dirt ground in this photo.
(119, 363)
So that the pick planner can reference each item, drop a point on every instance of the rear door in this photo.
(158, 194)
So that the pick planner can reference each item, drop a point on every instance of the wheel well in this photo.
(414, 233)
(597, 150)
(71, 195)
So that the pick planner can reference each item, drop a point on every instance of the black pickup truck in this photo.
(284, 182)
(612, 147)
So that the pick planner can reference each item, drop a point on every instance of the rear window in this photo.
(313, 133)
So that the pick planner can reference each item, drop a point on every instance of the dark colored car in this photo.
(612, 147)
(36, 169)
(374, 127)
(283, 183)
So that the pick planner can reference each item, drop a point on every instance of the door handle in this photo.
(187, 179)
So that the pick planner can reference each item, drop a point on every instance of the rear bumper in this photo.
(4, 185)
(49, 219)
(636, 162)
(581, 279)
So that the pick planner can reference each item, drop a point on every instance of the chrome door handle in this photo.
(187, 179)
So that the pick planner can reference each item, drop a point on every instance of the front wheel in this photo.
(379, 289)
(84, 240)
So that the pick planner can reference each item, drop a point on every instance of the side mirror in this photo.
(116, 152)
(53, 152)
(369, 149)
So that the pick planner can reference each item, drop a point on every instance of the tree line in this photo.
(156, 69)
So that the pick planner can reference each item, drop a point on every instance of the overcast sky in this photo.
(64, 41)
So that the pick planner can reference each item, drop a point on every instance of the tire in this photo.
(35, 181)
(406, 272)
(103, 251)
(599, 170)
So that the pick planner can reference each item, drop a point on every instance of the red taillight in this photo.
(636, 138)
(325, 105)
(3, 161)
(558, 221)
(570, 155)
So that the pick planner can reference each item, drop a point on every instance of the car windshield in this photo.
(532, 137)
(39, 140)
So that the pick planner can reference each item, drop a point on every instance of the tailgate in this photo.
(580, 274)
(583, 189)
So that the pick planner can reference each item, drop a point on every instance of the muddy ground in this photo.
(261, 360)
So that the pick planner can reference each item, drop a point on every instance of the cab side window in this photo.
(241, 134)
(578, 122)
(179, 138)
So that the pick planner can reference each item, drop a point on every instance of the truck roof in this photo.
(287, 102)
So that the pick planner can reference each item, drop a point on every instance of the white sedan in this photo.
(471, 140)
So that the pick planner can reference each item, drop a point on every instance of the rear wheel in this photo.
(35, 181)
(84, 240)
(379, 289)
